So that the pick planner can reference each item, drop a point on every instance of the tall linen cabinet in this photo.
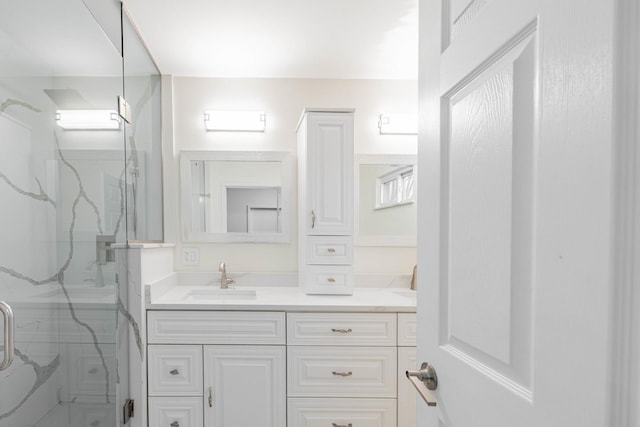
(325, 201)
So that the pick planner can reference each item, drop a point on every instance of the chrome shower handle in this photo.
(9, 335)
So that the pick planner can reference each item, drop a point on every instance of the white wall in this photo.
(283, 101)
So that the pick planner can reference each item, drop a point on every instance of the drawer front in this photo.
(175, 412)
(175, 370)
(348, 329)
(342, 371)
(341, 413)
(215, 327)
(329, 280)
(407, 328)
(331, 250)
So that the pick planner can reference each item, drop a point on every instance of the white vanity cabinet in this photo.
(277, 369)
(326, 200)
(216, 369)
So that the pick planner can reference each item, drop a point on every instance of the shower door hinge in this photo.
(127, 411)
(124, 109)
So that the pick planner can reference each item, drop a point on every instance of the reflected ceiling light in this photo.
(88, 119)
(398, 124)
(235, 121)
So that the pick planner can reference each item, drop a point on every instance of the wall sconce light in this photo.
(235, 121)
(398, 124)
(88, 119)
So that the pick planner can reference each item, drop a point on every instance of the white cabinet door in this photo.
(244, 386)
(406, 394)
(329, 174)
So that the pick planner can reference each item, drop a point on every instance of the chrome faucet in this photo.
(224, 282)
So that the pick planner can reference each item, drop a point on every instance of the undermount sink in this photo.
(218, 294)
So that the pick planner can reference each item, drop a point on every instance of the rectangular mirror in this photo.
(235, 196)
(385, 206)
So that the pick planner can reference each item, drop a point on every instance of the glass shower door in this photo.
(62, 167)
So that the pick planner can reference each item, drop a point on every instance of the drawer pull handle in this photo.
(210, 397)
(313, 219)
(331, 251)
(331, 280)
(342, 374)
(341, 425)
(174, 372)
(93, 370)
(342, 331)
(175, 424)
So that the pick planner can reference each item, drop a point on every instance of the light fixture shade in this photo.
(235, 121)
(88, 119)
(398, 124)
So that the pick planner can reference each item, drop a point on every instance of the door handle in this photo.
(424, 380)
(9, 335)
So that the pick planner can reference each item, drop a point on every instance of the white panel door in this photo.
(244, 386)
(514, 244)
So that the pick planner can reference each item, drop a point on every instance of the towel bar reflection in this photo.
(424, 380)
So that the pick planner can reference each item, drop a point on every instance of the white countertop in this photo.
(286, 298)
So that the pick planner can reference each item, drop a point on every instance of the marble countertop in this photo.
(281, 298)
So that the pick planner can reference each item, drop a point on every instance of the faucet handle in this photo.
(222, 267)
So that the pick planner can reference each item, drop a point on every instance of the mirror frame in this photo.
(245, 156)
(381, 240)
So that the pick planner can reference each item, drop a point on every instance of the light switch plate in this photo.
(190, 256)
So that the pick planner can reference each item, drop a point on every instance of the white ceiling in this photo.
(343, 39)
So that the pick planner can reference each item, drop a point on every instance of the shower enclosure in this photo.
(80, 177)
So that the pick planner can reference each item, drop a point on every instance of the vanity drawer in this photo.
(341, 412)
(215, 327)
(341, 371)
(349, 329)
(407, 328)
(175, 412)
(329, 280)
(175, 370)
(330, 250)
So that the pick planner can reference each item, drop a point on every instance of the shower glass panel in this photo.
(63, 210)
(143, 147)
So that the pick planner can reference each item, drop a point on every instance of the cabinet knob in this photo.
(175, 424)
(331, 280)
(174, 372)
(331, 250)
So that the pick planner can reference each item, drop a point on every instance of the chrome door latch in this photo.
(424, 380)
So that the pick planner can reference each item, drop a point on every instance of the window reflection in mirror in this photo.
(386, 211)
(235, 196)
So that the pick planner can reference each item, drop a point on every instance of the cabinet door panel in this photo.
(330, 174)
(406, 394)
(245, 386)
